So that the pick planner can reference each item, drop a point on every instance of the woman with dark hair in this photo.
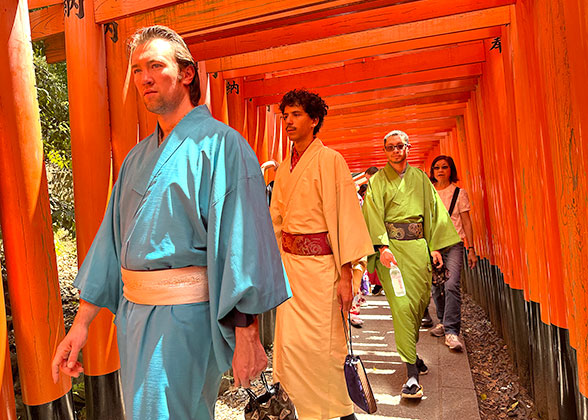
(447, 297)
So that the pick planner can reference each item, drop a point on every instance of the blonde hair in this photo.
(181, 52)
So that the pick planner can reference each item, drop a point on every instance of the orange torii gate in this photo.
(498, 84)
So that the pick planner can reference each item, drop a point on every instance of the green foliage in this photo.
(53, 107)
(54, 113)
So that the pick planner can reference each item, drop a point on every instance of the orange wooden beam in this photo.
(435, 75)
(420, 127)
(383, 118)
(364, 39)
(55, 48)
(343, 57)
(415, 97)
(191, 16)
(46, 22)
(452, 98)
(416, 91)
(107, 10)
(408, 113)
(396, 64)
(36, 4)
(205, 47)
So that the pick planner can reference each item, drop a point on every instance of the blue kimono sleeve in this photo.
(99, 278)
(245, 270)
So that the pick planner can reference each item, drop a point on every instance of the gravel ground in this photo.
(500, 393)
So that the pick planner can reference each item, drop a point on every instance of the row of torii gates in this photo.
(501, 85)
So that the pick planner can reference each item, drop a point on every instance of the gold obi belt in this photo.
(306, 243)
(174, 286)
(404, 231)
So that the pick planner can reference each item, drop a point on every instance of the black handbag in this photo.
(274, 403)
(440, 275)
(358, 385)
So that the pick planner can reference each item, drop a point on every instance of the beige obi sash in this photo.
(174, 286)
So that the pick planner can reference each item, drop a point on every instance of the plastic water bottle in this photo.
(397, 282)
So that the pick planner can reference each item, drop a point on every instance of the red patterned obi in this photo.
(306, 243)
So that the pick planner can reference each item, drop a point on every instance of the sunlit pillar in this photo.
(26, 228)
(91, 159)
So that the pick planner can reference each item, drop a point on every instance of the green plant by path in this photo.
(51, 82)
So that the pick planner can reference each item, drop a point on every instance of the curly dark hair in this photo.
(312, 104)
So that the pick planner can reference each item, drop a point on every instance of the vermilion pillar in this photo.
(90, 144)
(236, 104)
(121, 95)
(26, 227)
(218, 98)
(7, 404)
(251, 123)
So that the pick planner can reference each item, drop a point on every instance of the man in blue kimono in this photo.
(169, 257)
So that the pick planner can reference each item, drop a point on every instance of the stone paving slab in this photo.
(448, 387)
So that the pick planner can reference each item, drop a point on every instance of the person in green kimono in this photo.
(408, 225)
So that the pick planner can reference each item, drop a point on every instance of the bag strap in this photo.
(453, 200)
(264, 381)
(265, 385)
(347, 330)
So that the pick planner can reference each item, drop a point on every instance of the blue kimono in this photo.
(196, 200)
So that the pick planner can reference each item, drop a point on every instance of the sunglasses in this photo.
(436, 168)
(400, 147)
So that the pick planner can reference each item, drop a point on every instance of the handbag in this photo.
(274, 403)
(358, 385)
(440, 275)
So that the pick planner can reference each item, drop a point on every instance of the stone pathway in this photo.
(448, 387)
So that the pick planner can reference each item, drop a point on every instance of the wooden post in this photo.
(218, 97)
(90, 146)
(236, 104)
(26, 228)
(122, 99)
(251, 123)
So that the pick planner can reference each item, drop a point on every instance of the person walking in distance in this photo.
(447, 297)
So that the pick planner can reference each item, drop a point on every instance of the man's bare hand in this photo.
(437, 259)
(66, 355)
(249, 359)
(387, 258)
(345, 288)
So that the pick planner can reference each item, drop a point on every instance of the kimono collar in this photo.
(159, 155)
(391, 173)
(291, 178)
(296, 156)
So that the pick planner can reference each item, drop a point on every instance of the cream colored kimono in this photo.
(309, 350)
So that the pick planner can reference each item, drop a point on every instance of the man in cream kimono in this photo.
(169, 257)
(323, 239)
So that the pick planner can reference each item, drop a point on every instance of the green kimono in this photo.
(410, 199)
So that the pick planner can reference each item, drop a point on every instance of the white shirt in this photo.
(461, 205)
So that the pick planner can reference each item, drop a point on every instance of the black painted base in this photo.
(545, 361)
(104, 399)
(60, 409)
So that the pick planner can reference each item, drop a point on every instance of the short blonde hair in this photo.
(182, 53)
